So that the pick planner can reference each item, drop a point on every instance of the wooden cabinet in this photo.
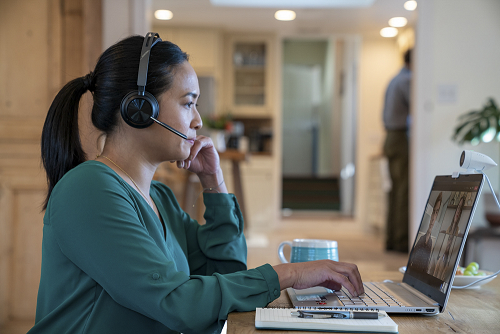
(204, 47)
(249, 82)
(242, 65)
(205, 50)
(258, 190)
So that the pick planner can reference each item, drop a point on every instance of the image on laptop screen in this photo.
(441, 232)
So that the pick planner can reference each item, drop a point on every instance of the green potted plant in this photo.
(481, 126)
(478, 126)
(217, 127)
(219, 122)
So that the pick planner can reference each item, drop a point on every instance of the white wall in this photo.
(457, 44)
(349, 118)
(122, 18)
(380, 60)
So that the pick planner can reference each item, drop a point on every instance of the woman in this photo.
(420, 259)
(441, 269)
(119, 255)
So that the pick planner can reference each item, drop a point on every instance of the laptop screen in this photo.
(442, 233)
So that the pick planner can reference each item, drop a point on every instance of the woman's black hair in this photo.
(114, 76)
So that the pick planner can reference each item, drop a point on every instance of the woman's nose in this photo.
(197, 123)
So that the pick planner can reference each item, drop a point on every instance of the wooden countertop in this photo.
(468, 311)
(234, 155)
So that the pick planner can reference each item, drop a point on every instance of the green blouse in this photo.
(109, 267)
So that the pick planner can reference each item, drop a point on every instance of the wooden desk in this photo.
(468, 311)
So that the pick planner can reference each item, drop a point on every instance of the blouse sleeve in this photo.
(98, 227)
(219, 245)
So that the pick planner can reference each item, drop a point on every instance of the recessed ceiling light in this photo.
(285, 15)
(388, 32)
(164, 14)
(398, 22)
(410, 5)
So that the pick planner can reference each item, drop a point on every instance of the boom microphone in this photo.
(168, 127)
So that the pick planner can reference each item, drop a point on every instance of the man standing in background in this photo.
(396, 114)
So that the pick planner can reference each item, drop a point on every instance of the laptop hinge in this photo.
(419, 294)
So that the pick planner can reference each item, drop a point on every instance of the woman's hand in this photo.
(204, 161)
(327, 273)
(203, 158)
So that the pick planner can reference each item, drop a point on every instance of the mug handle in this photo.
(280, 251)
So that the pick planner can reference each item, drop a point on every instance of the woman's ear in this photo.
(100, 142)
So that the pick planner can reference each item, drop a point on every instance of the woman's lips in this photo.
(191, 141)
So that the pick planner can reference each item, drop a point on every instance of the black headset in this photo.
(140, 108)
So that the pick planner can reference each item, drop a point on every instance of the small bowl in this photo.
(461, 280)
(493, 219)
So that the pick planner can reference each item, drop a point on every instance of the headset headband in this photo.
(149, 41)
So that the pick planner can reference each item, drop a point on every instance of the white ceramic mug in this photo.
(304, 250)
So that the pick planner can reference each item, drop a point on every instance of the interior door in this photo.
(299, 120)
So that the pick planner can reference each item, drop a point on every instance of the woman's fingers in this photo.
(203, 157)
(183, 164)
(199, 143)
(351, 271)
(329, 274)
(346, 283)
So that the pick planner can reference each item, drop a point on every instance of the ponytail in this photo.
(60, 144)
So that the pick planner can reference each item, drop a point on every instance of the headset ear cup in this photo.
(137, 110)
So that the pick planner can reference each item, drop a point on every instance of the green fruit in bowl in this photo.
(473, 264)
(473, 267)
(467, 272)
(473, 270)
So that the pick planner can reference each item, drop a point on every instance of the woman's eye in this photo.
(190, 104)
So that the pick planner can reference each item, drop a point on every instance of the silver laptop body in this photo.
(432, 263)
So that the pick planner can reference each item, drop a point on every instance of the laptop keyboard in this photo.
(373, 297)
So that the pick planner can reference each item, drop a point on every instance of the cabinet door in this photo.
(258, 187)
(250, 84)
(258, 190)
(202, 45)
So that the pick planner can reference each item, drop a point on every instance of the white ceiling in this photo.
(364, 20)
(293, 3)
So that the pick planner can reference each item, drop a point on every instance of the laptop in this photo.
(432, 263)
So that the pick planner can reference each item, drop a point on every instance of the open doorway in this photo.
(319, 117)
